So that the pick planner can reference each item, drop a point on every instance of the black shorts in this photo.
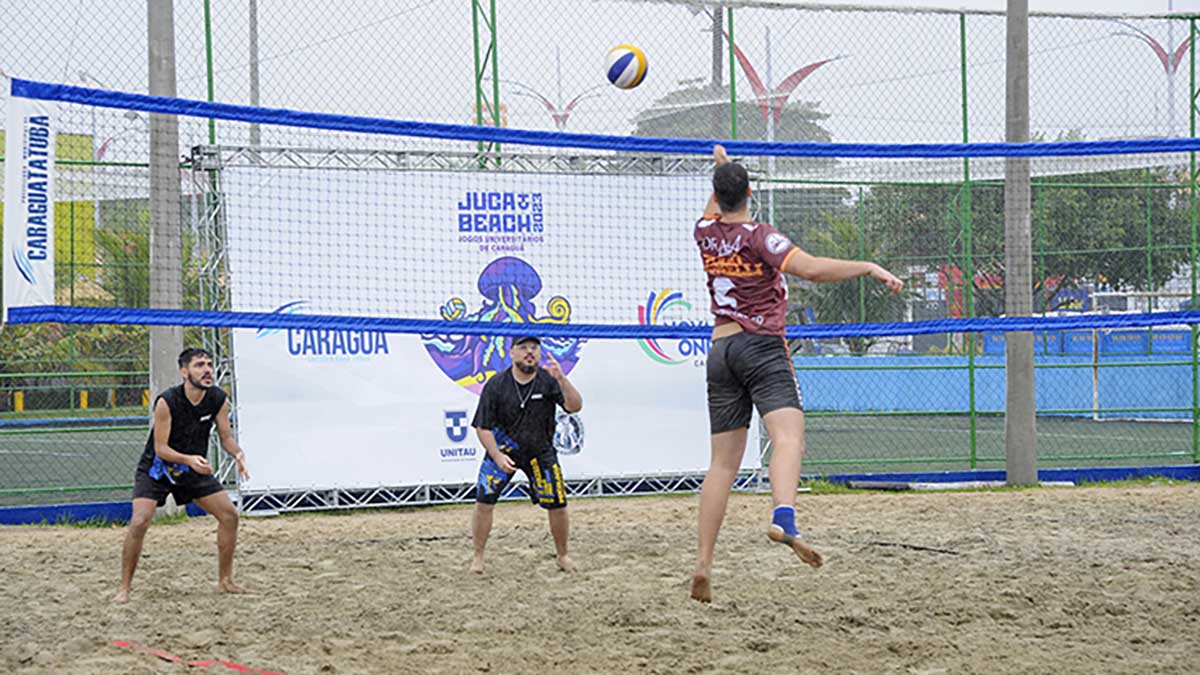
(188, 487)
(546, 487)
(746, 369)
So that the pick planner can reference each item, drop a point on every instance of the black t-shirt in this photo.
(520, 415)
(191, 425)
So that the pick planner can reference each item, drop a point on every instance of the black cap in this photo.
(526, 338)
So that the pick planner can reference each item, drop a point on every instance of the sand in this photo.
(1079, 580)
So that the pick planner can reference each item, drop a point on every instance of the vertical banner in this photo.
(28, 205)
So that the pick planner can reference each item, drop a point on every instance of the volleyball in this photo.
(626, 66)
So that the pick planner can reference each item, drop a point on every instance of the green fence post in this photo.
(1192, 204)
(968, 338)
(862, 255)
(1149, 258)
(484, 60)
(208, 60)
(1039, 217)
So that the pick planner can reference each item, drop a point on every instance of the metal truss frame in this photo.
(207, 217)
(275, 502)
(218, 157)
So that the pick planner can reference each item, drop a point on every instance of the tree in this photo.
(1086, 232)
(124, 260)
(123, 281)
(849, 302)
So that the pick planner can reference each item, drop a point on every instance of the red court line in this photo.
(166, 656)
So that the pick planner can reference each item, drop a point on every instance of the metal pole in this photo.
(95, 192)
(71, 329)
(495, 76)
(718, 18)
(166, 245)
(482, 61)
(732, 79)
(951, 261)
(1040, 218)
(770, 127)
(968, 249)
(1172, 68)
(1149, 259)
(495, 46)
(1095, 375)
(166, 242)
(255, 131)
(208, 65)
(1195, 245)
(862, 255)
(1020, 431)
(478, 74)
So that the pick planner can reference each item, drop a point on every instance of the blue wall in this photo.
(1166, 341)
(909, 389)
(116, 512)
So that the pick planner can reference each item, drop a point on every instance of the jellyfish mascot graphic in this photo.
(508, 286)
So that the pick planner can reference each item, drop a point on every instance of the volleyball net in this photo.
(370, 287)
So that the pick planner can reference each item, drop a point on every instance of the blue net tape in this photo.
(682, 146)
(271, 320)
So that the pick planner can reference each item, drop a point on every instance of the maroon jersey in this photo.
(743, 263)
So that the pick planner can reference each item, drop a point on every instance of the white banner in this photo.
(344, 409)
(28, 204)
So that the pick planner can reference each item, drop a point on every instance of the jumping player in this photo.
(748, 363)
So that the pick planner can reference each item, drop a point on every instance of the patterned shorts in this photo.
(546, 487)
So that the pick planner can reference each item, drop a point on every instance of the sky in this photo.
(896, 77)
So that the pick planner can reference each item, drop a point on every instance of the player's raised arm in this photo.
(572, 400)
(712, 210)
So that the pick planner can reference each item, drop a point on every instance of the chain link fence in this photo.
(1113, 234)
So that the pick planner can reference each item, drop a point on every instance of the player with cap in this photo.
(515, 423)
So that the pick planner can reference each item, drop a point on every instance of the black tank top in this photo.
(191, 425)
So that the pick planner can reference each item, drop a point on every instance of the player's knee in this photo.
(786, 437)
(788, 443)
(726, 460)
(227, 517)
(140, 522)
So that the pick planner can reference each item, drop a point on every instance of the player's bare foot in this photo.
(227, 586)
(806, 553)
(701, 587)
(566, 564)
(477, 565)
(121, 597)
